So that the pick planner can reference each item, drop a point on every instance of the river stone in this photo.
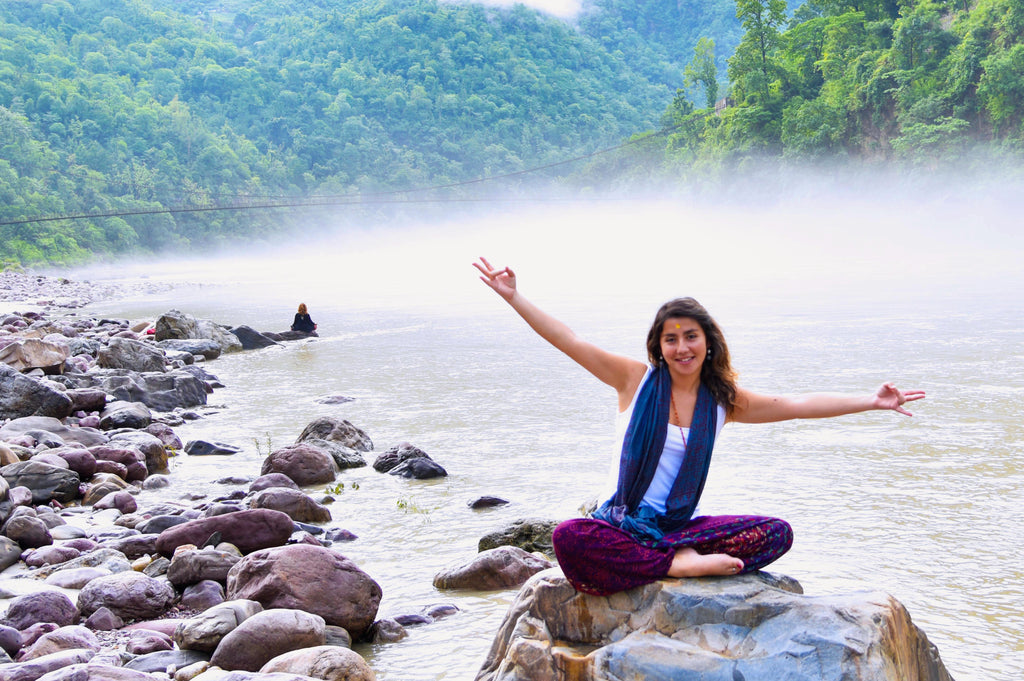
(175, 324)
(97, 669)
(161, 661)
(322, 662)
(299, 506)
(267, 634)
(344, 456)
(311, 578)
(87, 399)
(272, 480)
(251, 339)
(153, 450)
(165, 434)
(10, 552)
(501, 568)
(205, 631)
(102, 557)
(50, 555)
(83, 436)
(65, 638)
(194, 346)
(533, 535)
(193, 566)
(119, 414)
(79, 460)
(755, 627)
(30, 532)
(398, 454)
(46, 482)
(36, 669)
(419, 468)
(33, 353)
(129, 595)
(250, 530)
(21, 396)
(304, 464)
(204, 448)
(202, 595)
(42, 606)
(337, 430)
(133, 355)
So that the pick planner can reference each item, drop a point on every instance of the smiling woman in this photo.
(670, 412)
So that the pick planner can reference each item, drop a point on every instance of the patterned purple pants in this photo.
(600, 559)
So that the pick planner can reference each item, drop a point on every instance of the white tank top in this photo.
(669, 463)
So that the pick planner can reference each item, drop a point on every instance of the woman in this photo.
(303, 323)
(670, 413)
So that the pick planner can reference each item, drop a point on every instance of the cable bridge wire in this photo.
(394, 196)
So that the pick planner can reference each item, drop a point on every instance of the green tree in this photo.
(702, 71)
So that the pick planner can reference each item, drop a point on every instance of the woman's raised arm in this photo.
(753, 408)
(620, 372)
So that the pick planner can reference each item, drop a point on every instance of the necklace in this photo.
(675, 415)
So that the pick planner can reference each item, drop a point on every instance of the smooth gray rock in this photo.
(22, 396)
(267, 634)
(337, 430)
(124, 353)
(754, 627)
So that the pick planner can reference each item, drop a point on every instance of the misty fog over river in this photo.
(814, 293)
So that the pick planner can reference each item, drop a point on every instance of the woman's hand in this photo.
(501, 280)
(890, 397)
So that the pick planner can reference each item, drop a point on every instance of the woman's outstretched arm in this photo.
(620, 372)
(755, 408)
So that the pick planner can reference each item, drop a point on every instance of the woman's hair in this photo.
(302, 308)
(716, 372)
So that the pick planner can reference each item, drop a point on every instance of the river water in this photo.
(813, 295)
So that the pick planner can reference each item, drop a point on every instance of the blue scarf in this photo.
(641, 450)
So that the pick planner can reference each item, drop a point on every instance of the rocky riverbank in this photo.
(254, 584)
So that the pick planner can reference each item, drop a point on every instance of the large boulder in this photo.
(529, 534)
(249, 531)
(337, 430)
(133, 355)
(251, 339)
(205, 631)
(129, 595)
(755, 627)
(310, 578)
(23, 396)
(304, 464)
(175, 324)
(33, 353)
(299, 507)
(502, 568)
(46, 481)
(265, 635)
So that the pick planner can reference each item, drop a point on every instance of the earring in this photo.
(709, 352)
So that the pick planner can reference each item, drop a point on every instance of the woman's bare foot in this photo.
(689, 563)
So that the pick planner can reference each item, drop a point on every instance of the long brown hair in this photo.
(716, 372)
(302, 308)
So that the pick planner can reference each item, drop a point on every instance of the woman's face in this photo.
(683, 345)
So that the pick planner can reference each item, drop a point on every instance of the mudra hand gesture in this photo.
(501, 280)
(890, 397)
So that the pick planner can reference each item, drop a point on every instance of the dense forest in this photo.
(916, 82)
(155, 113)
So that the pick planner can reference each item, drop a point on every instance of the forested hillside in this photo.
(917, 82)
(136, 105)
